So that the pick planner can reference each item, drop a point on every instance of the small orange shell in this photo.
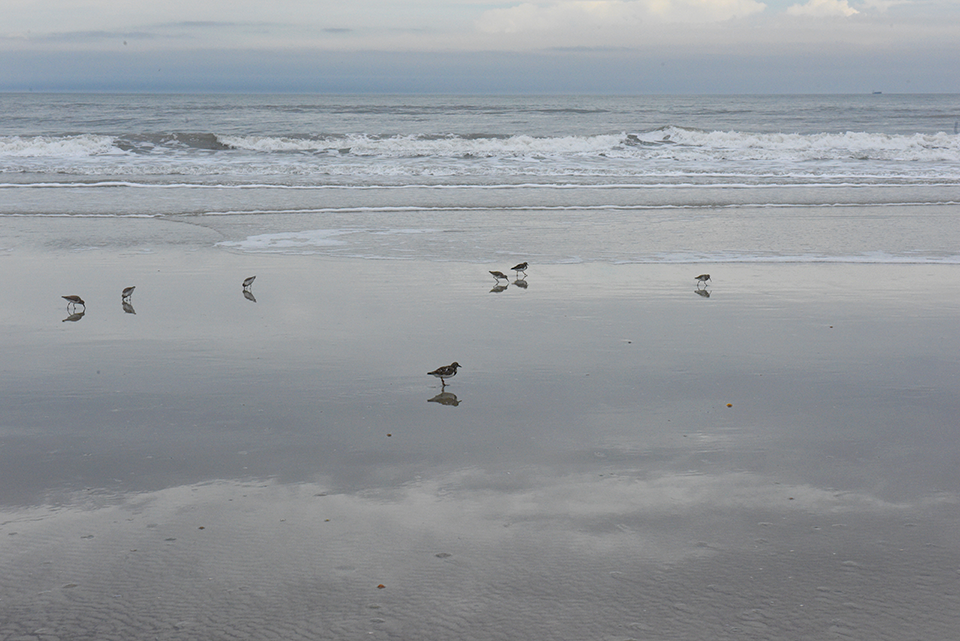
(381, 586)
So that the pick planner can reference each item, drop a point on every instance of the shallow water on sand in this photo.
(619, 457)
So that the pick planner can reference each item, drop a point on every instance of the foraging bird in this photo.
(248, 281)
(702, 279)
(499, 275)
(127, 292)
(74, 300)
(447, 371)
(522, 267)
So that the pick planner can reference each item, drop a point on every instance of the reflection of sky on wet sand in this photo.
(826, 388)
(590, 480)
(483, 554)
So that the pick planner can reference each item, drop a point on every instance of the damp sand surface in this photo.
(620, 456)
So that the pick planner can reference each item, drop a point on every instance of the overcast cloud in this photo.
(619, 46)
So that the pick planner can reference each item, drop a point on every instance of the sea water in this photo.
(856, 178)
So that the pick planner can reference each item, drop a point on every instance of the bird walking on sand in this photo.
(74, 301)
(127, 292)
(499, 275)
(447, 371)
(248, 281)
(702, 279)
(521, 267)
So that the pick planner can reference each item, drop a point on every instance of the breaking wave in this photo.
(667, 143)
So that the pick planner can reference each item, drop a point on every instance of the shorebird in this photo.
(522, 267)
(127, 292)
(702, 279)
(499, 275)
(447, 371)
(74, 300)
(248, 281)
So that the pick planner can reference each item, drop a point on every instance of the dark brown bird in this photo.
(702, 279)
(74, 300)
(522, 267)
(447, 371)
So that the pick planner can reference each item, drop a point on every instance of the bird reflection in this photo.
(445, 398)
(249, 295)
(74, 317)
(521, 283)
(498, 288)
(702, 292)
(128, 308)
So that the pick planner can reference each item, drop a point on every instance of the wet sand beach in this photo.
(620, 456)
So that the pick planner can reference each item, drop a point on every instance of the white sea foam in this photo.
(289, 241)
(63, 147)
(666, 143)
(464, 186)
(823, 146)
(719, 152)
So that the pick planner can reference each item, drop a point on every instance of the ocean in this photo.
(622, 179)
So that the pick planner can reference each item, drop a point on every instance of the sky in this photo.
(474, 46)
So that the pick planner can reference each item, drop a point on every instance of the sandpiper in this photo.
(447, 371)
(248, 281)
(702, 279)
(522, 267)
(74, 300)
(127, 292)
(499, 275)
